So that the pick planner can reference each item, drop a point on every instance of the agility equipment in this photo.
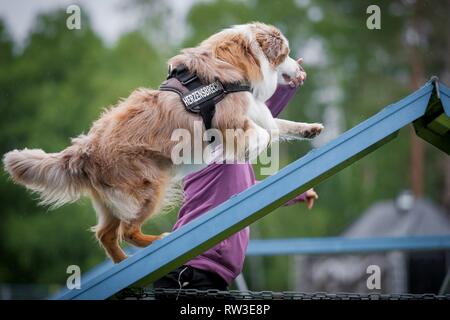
(428, 109)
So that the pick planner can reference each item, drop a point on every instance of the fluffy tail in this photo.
(57, 177)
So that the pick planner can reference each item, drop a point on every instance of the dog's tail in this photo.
(57, 177)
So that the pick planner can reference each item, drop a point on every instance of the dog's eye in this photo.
(284, 52)
(280, 59)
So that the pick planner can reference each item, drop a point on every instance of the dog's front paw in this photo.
(311, 130)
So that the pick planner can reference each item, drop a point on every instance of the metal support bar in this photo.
(241, 210)
(340, 245)
(445, 288)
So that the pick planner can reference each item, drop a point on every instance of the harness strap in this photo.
(196, 96)
(236, 87)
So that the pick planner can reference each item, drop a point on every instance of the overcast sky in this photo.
(108, 17)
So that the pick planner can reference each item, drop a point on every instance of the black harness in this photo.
(197, 96)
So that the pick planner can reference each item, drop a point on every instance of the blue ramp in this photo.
(241, 210)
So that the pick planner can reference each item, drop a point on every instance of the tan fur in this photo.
(235, 49)
(123, 163)
(272, 43)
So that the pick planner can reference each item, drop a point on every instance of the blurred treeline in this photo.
(53, 87)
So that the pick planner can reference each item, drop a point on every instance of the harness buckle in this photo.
(188, 79)
(182, 74)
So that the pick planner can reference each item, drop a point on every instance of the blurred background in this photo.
(54, 82)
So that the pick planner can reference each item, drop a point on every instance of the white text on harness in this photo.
(202, 93)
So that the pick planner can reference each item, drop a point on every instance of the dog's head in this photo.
(260, 52)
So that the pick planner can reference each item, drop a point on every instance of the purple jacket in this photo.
(209, 187)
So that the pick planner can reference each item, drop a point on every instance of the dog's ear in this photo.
(236, 51)
(272, 44)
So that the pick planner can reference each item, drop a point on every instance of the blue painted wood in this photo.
(434, 127)
(445, 98)
(340, 245)
(94, 272)
(241, 210)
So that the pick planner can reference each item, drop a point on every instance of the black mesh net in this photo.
(174, 294)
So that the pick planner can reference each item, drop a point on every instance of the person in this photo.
(217, 267)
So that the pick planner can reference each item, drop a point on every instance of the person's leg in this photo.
(204, 280)
(171, 280)
(186, 277)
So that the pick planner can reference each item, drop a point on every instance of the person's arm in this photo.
(276, 104)
(280, 99)
(309, 197)
(285, 93)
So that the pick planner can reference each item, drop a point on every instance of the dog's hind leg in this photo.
(151, 194)
(107, 230)
(131, 230)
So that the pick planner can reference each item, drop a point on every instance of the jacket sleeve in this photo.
(276, 104)
(280, 99)
(297, 199)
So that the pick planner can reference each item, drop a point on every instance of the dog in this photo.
(124, 162)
